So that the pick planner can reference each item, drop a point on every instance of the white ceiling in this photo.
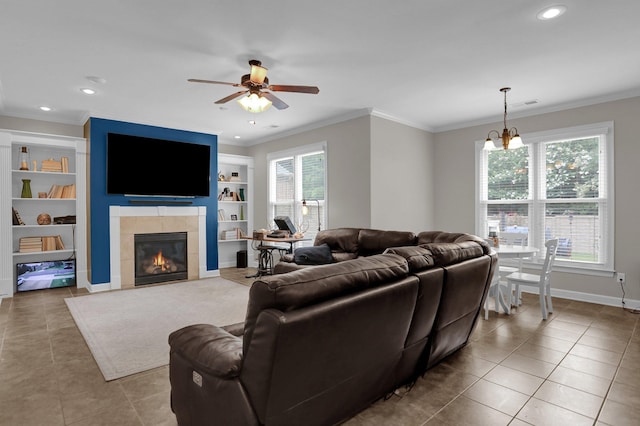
(432, 64)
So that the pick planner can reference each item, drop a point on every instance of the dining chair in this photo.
(543, 280)
(512, 239)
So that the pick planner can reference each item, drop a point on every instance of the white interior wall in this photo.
(348, 174)
(402, 179)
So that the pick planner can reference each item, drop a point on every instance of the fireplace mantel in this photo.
(116, 213)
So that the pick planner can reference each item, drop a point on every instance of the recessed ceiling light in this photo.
(45, 108)
(236, 137)
(252, 121)
(88, 91)
(551, 12)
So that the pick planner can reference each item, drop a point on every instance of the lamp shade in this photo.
(258, 74)
(516, 142)
(489, 145)
(254, 103)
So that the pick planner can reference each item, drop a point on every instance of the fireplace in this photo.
(160, 257)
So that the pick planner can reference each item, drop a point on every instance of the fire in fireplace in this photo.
(160, 257)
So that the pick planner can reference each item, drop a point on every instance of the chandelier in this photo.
(510, 138)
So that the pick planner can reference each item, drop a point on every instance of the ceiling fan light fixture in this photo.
(254, 103)
(258, 74)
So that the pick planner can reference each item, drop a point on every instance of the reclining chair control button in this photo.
(197, 378)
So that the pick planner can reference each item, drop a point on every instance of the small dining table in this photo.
(509, 252)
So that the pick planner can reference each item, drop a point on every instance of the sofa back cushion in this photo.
(343, 242)
(444, 254)
(451, 237)
(373, 241)
(418, 258)
(305, 287)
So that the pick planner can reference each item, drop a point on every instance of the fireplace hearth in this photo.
(160, 257)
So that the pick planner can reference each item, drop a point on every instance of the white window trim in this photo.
(292, 152)
(602, 128)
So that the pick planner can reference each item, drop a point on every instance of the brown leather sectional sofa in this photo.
(321, 344)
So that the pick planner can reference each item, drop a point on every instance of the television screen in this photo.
(155, 167)
(46, 274)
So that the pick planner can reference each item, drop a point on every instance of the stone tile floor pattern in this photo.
(582, 366)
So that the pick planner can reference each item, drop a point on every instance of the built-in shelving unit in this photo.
(54, 194)
(235, 212)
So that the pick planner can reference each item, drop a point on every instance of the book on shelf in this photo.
(232, 234)
(51, 165)
(62, 191)
(35, 244)
(221, 215)
(64, 162)
(17, 220)
(229, 196)
(30, 244)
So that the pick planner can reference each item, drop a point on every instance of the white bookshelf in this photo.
(41, 147)
(240, 210)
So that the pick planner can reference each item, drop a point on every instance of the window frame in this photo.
(297, 153)
(536, 201)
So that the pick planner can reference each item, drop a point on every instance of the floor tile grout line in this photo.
(547, 379)
(615, 376)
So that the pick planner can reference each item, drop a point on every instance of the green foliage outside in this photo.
(571, 173)
(313, 176)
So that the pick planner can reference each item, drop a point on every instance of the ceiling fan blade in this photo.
(195, 80)
(277, 102)
(231, 97)
(300, 89)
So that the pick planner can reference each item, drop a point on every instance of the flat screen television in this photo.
(156, 167)
(45, 274)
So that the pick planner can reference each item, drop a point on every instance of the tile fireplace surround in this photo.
(124, 222)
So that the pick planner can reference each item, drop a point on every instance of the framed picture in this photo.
(234, 217)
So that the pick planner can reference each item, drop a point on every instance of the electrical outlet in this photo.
(621, 277)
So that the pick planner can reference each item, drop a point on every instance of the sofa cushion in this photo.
(451, 237)
(308, 286)
(340, 240)
(315, 255)
(373, 241)
(450, 253)
(418, 258)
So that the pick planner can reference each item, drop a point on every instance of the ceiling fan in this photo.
(257, 86)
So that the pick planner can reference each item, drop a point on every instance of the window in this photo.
(559, 185)
(294, 176)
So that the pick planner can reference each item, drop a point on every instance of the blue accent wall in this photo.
(99, 201)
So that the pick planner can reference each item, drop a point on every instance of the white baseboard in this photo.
(97, 288)
(584, 297)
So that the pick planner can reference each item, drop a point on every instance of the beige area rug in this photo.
(127, 330)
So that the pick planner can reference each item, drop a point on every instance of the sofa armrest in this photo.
(236, 329)
(210, 349)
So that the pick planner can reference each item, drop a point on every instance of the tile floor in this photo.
(582, 366)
